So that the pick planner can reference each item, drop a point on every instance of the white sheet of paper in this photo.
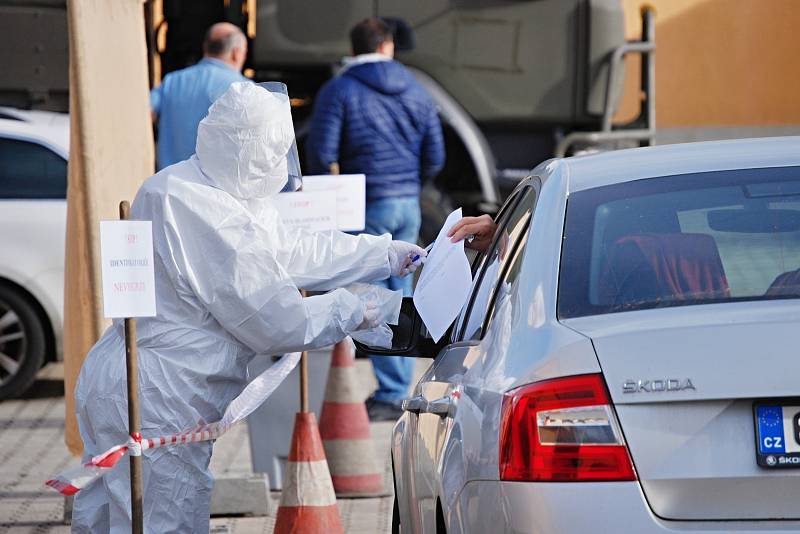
(313, 211)
(444, 283)
(126, 256)
(351, 197)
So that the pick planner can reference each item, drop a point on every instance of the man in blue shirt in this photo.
(184, 96)
(376, 119)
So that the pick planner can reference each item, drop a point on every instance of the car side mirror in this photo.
(409, 336)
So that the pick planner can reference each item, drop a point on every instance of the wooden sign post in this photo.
(334, 168)
(126, 251)
(304, 376)
(134, 421)
(327, 204)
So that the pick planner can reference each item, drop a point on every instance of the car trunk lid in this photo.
(684, 381)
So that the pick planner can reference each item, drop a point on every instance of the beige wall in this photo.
(721, 62)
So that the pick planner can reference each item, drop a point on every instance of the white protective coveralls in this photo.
(227, 274)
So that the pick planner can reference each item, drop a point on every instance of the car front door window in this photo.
(445, 386)
(511, 231)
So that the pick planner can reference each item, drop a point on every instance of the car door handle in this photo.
(442, 407)
(415, 404)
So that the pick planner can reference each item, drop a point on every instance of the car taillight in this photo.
(562, 430)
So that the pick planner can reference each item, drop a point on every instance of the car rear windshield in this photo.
(681, 240)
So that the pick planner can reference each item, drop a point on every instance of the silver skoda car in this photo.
(628, 359)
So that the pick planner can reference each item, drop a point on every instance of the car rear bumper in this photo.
(583, 507)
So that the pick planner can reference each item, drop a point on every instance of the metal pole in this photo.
(649, 68)
(648, 72)
(304, 382)
(334, 169)
(134, 423)
(304, 376)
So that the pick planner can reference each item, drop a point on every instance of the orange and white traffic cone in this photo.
(308, 504)
(344, 426)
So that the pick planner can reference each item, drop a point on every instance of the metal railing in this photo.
(643, 127)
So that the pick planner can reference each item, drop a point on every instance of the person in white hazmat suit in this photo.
(227, 275)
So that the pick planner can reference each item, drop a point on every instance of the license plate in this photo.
(777, 434)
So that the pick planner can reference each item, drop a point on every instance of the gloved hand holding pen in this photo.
(404, 258)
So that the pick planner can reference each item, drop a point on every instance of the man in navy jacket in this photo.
(375, 118)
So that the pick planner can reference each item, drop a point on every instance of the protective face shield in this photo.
(295, 181)
(244, 144)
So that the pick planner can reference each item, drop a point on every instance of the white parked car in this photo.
(34, 147)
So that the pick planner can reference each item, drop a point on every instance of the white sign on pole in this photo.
(126, 253)
(313, 211)
(351, 194)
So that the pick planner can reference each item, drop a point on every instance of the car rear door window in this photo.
(503, 288)
(679, 240)
(511, 232)
(31, 171)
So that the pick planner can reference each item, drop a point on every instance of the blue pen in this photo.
(416, 257)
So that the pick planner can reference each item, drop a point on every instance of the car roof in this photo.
(618, 166)
(47, 127)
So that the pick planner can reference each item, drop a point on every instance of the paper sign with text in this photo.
(351, 194)
(313, 211)
(126, 253)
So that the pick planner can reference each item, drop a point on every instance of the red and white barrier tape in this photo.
(71, 481)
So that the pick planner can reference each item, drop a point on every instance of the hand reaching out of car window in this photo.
(481, 228)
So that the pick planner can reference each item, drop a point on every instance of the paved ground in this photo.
(32, 449)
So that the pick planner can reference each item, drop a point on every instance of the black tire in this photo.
(22, 343)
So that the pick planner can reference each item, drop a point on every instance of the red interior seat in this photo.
(662, 267)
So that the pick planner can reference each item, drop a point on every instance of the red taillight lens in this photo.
(562, 430)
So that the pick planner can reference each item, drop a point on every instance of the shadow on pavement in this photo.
(45, 389)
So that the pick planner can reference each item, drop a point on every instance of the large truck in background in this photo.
(35, 57)
(516, 81)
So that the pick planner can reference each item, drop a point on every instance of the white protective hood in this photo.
(243, 141)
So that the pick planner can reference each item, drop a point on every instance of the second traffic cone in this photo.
(308, 504)
(344, 426)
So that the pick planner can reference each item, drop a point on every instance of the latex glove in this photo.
(381, 308)
(373, 316)
(380, 336)
(400, 255)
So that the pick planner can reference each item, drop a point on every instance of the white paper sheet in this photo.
(444, 284)
(126, 255)
(351, 194)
